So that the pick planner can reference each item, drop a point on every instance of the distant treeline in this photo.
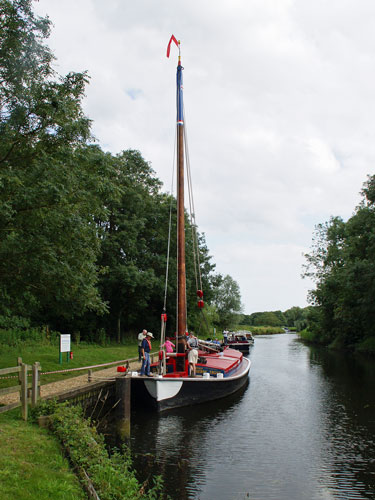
(295, 317)
(83, 233)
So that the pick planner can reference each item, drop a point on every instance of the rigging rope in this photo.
(196, 256)
(195, 242)
(162, 332)
(169, 228)
(197, 267)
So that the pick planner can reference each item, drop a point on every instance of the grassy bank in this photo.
(262, 330)
(32, 464)
(111, 475)
(48, 356)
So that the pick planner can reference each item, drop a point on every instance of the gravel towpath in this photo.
(55, 388)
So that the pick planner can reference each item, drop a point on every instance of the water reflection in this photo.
(349, 431)
(176, 443)
(302, 429)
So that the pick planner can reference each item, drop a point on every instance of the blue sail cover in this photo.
(180, 102)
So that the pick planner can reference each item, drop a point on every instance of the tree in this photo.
(51, 181)
(134, 253)
(342, 262)
(295, 316)
(227, 299)
(268, 318)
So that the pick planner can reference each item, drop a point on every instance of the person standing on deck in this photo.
(141, 336)
(168, 346)
(146, 349)
(225, 337)
(193, 353)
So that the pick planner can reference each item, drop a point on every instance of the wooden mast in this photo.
(181, 265)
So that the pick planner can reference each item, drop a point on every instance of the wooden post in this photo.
(35, 384)
(89, 376)
(19, 363)
(123, 393)
(24, 390)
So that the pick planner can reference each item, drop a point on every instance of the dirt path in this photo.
(55, 388)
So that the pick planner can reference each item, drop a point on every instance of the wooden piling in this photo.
(123, 394)
(24, 390)
(35, 388)
(19, 363)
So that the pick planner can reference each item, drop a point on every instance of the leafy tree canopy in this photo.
(227, 299)
(51, 181)
(342, 263)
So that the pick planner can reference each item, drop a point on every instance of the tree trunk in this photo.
(119, 328)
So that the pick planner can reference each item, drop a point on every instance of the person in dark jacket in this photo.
(145, 353)
(141, 336)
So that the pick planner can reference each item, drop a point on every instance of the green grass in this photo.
(48, 356)
(262, 330)
(32, 464)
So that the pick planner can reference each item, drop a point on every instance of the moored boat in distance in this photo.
(241, 340)
(220, 370)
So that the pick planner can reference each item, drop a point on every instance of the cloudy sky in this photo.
(280, 111)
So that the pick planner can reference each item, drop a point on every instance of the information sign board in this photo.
(65, 343)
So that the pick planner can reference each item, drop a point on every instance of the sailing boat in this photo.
(219, 371)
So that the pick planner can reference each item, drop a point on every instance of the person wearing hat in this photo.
(141, 336)
(145, 352)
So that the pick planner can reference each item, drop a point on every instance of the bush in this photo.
(45, 407)
(15, 331)
(367, 346)
(101, 337)
(307, 335)
(112, 476)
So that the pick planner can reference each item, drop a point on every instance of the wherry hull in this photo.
(163, 394)
(218, 371)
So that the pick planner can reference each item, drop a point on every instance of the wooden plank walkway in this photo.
(61, 386)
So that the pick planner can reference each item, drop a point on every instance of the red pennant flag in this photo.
(169, 44)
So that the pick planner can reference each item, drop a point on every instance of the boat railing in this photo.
(209, 346)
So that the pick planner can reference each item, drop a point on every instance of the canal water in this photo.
(302, 428)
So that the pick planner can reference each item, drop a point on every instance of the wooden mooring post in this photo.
(123, 394)
(23, 392)
(35, 384)
(28, 391)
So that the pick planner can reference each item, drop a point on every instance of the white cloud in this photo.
(280, 115)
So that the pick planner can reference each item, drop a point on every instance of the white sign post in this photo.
(64, 347)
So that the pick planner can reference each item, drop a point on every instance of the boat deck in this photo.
(222, 362)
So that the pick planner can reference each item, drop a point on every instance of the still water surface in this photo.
(303, 428)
